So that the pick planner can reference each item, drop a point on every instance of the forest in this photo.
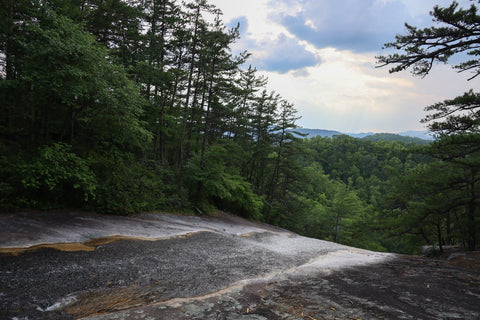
(120, 107)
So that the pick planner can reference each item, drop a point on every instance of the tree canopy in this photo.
(146, 97)
(456, 32)
(455, 121)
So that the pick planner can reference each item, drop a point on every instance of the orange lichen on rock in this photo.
(68, 247)
(89, 245)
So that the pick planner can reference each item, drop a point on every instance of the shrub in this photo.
(55, 177)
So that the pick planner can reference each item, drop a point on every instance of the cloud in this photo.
(345, 92)
(319, 55)
(359, 26)
(256, 11)
(281, 53)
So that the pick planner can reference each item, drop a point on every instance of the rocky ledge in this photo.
(66, 265)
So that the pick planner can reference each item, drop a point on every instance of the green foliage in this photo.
(216, 184)
(458, 115)
(422, 203)
(344, 194)
(53, 178)
(455, 35)
(66, 90)
(395, 137)
(452, 190)
(128, 186)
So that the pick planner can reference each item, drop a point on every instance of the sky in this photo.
(320, 56)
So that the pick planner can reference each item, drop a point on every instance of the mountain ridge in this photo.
(424, 135)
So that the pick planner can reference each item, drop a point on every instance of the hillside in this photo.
(417, 137)
(395, 137)
(317, 132)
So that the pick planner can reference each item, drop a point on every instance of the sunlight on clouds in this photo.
(257, 12)
(272, 46)
(282, 54)
(342, 79)
(346, 92)
(311, 24)
(322, 59)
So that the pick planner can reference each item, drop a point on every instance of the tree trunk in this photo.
(439, 235)
(181, 159)
(337, 226)
(449, 239)
(9, 66)
(471, 224)
(207, 117)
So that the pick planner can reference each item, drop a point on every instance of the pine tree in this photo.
(456, 121)
(284, 142)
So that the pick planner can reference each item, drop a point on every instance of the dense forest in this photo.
(119, 107)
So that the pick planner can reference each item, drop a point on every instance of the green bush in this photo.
(127, 185)
(55, 177)
(216, 185)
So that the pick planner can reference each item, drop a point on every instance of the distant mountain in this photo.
(421, 135)
(317, 132)
(425, 135)
(360, 135)
(395, 137)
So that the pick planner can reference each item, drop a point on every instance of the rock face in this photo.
(66, 265)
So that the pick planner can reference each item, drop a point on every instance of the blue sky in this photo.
(320, 55)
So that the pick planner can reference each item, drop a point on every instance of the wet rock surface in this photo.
(132, 272)
(402, 288)
(221, 268)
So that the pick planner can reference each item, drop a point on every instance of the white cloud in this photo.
(346, 92)
(309, 23)
(282, 54)
(257, 12)
(341, 89)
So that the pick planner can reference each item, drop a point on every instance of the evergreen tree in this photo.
(157, 73)
(456, 122)
(282, 165)
(263, 120)
(456, 35)
(117, 25)
(197, 26)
